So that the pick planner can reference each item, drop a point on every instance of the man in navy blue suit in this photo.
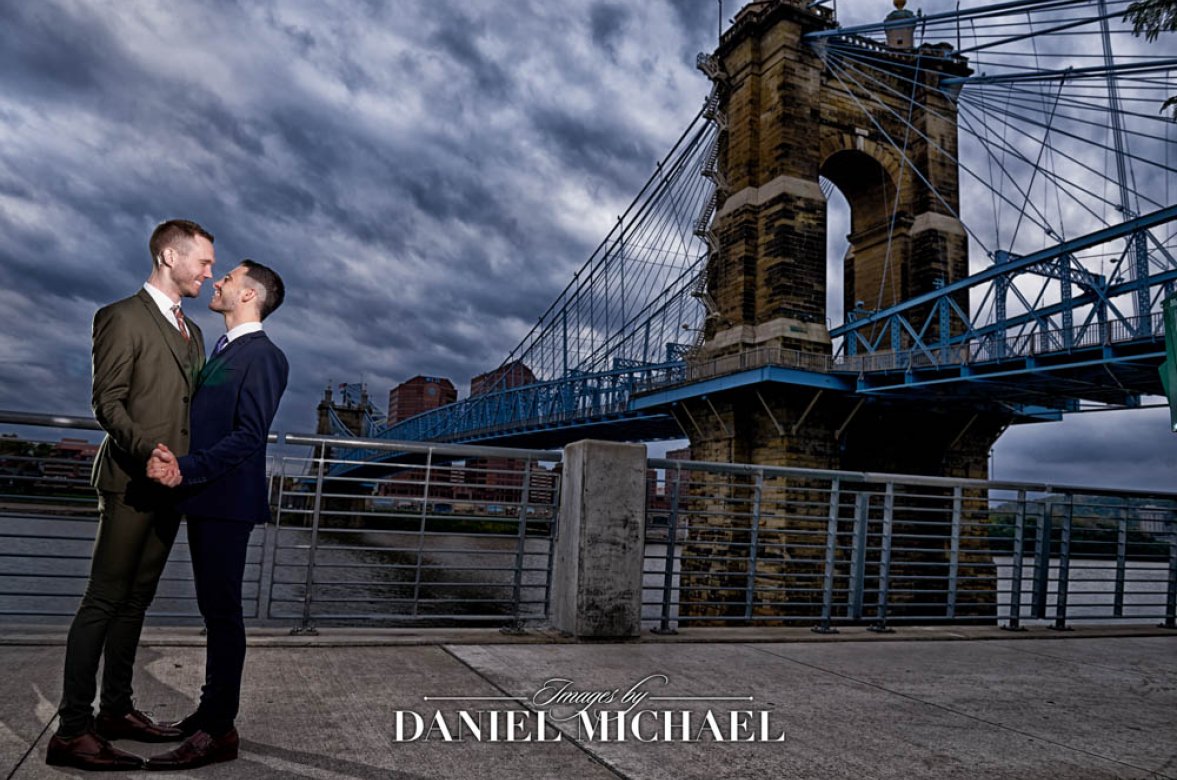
(223, 491)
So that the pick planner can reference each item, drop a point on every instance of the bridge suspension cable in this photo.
(620, 290)
(1065, 180)
(1063, 146)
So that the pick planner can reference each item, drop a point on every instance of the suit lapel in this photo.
(221, 358)
(165, 329)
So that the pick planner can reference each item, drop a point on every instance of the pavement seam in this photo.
(945, 708)
(32, 747)
(592, 756)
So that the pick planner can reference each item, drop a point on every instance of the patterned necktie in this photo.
(179, 315)
(222, 342)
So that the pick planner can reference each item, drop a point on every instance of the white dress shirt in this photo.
(164, 303)
(242, 329)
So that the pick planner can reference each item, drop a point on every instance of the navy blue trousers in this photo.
(218, 550)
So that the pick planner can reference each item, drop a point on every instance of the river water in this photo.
(361, 577)
(389, 578)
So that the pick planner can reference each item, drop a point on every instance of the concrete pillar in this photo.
(597, 574)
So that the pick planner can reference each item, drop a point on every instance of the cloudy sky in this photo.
(426, 176)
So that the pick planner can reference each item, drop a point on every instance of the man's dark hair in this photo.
(268, 279)
(167, 234)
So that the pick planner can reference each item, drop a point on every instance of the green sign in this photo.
(1169, 367)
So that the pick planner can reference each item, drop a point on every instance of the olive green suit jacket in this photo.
(144, 375)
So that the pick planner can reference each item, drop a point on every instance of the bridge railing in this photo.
(1041, 341)
(1038, 343)
(576, 397)
(747, 360)
(588, 396)
(742, 544)
(756, 358)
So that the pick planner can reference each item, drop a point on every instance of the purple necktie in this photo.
(222, 342)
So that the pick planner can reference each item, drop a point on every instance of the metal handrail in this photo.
(424, 448)
(38, 420)
(479, 538)
(908, 479)
(465, 537)
(48, 420)
(745, 544)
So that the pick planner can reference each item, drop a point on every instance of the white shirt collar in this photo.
(161, 299)
(164, 303)
(242, 329)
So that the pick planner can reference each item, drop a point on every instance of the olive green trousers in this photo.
(136, 531)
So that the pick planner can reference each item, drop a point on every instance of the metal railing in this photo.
(731, 544)
(1040, 342)
(462, 535)
(453, 535)
(48, 521)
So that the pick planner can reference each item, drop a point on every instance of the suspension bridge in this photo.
(1009, 176)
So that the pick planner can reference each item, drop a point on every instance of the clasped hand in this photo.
(163, 468)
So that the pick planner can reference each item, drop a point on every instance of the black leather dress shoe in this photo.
(200, 749)
(187, 727)
(134, 725)
(91, 752)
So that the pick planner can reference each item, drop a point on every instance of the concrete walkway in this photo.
(1092, 703)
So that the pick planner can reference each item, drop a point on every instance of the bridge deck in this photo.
(1085, 705)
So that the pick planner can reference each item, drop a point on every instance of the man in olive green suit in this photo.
(147, 356)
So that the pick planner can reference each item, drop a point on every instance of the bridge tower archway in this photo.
(877, 233)
(890, 147)
(789, 120)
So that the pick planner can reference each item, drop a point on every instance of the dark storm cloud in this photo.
(608, 21)
(591, 144)
(425, 176)
(449, 197)
(456, 38)
(41, 54)
(1127, 450)
(357, 219)
(697, 16)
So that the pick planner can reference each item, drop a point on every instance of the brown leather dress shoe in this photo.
(200, 749)
(92, 752)
(135, 725)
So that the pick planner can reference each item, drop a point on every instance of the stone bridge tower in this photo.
(886, 136)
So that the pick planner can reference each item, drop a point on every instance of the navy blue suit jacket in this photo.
(236, 397)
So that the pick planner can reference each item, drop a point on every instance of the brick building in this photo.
(419, 394)
(513, 374)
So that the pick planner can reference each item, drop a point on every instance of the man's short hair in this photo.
(168, 234)
(274, 291)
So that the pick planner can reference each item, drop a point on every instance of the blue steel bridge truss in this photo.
(1067, 174)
